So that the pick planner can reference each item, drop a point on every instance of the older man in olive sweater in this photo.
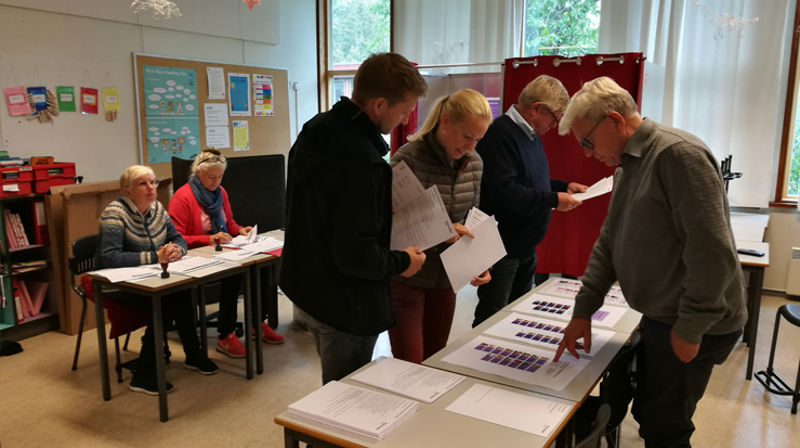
(667, 239)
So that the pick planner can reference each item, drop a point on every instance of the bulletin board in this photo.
(180, 110)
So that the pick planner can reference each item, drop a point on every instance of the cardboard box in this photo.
(72, 212)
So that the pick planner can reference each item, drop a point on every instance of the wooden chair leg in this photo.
(80, 335)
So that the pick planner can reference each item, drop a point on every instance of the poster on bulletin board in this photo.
(205, 116)
(171, 113)
(239, 94)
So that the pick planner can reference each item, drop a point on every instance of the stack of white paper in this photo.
(420, 218)
(512, 409)
(241, 240)
(469, 257)
(132, 274)
(409, 379)
(363, 412)
(188, 264)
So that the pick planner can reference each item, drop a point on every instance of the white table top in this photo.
(433, 425)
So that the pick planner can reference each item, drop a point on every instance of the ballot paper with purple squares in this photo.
(557, 308)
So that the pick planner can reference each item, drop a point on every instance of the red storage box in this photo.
(50, 175)
(15, 180)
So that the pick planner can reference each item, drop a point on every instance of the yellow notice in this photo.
(241, 136)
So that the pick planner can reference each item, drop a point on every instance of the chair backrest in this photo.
(82, 259)
(256, 187)
(592, 440)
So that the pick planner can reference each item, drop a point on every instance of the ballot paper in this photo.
(601, 187)
(520, 362)
(557, 308)
(512, 409)
(408, 379)
(420, 218)
(469, 257)
(353, 409)
(475, 217)
(131, 274)
(241, 240)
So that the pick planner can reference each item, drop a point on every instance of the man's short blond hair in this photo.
(546, 90)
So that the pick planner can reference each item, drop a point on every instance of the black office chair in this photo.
(592, 440)
(769, 378)
(82, 261)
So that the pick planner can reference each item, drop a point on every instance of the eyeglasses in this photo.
(153, 182)
(585, 143)
(555, 119)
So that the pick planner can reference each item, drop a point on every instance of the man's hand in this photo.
(566, 202)
(574, 187)
(417, 258)
(682, 349)
(578, 328)
(460, 230)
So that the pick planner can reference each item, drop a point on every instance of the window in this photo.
(350, 30)
(787, 189)
(561, 27)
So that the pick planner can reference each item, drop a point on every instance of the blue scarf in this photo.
(211, 201)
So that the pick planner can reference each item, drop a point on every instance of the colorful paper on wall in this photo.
(37, 96)
(239, 94)
(88, 100)
(17, 101)
(110, 102)
(66, 98)
(241, 137)
(262, 96)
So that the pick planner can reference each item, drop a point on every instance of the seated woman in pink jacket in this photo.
(202, 214)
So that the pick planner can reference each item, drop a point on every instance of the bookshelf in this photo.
(25, 264)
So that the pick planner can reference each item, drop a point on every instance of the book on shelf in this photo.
(19, 230)
(359, 411)
(10, 236)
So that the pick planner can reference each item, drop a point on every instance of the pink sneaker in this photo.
(230, 345)
(270, 336)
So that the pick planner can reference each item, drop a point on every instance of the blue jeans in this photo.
(511, 278)
(340, 353)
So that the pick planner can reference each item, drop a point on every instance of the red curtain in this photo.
(570, 236)
(400, 134)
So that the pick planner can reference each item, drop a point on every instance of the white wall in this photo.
(782, 234)
(90, 43)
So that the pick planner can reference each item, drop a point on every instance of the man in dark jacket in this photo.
(516, 188)
(336, 260)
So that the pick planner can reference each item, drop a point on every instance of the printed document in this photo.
(408, 379)
(420, 218)
(469, 257)
(542, 332)
(512, 409)
(601, 187)
(558, 308)
(523, 363)
(354, 409)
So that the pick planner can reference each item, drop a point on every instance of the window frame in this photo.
(790, 108)
(325, 74)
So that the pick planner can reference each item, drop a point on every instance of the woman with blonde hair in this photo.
(202, 213)
(441, 153)
(135, 230)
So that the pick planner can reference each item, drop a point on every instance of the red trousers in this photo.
(424, 317)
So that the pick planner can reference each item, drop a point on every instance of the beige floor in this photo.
(44, 403)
